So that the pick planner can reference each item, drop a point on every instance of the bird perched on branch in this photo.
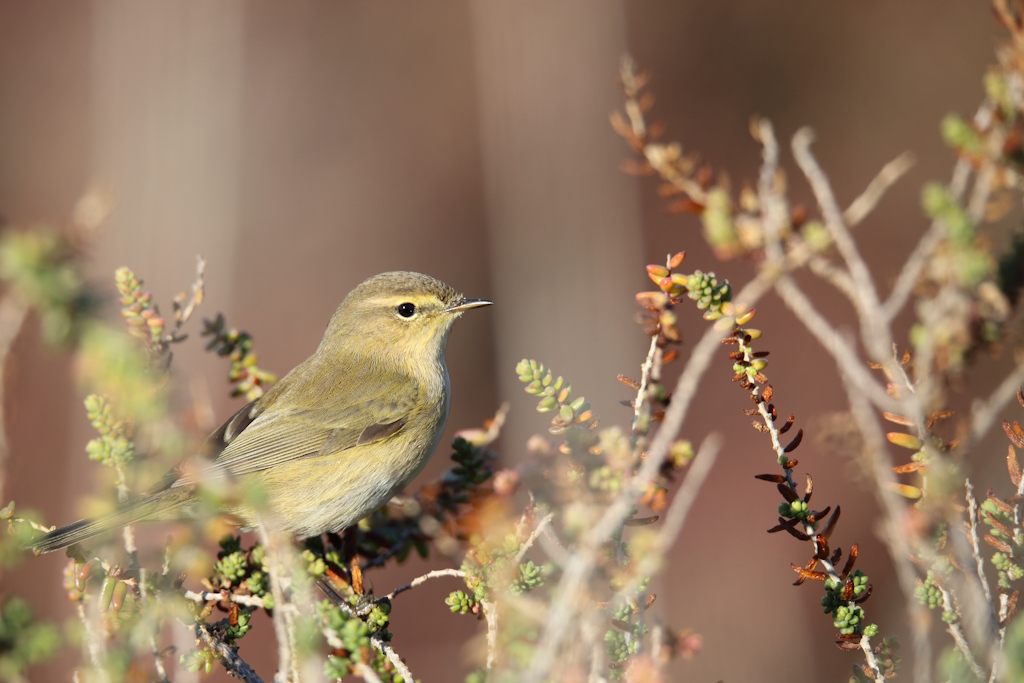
(339, 435)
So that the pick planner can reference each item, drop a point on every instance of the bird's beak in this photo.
(464, 304)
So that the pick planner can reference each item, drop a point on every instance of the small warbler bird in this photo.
(340, 434)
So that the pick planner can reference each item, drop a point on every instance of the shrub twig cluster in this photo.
(556, 556)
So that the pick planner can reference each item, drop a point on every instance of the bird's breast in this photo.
(438, 392)
(335, 491)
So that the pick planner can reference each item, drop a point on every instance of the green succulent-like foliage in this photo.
(491, 569)
(250, 380)
(973, 263)
(140, 313)
(707, 291)
(354, 635)
(627, 632)
(952, 666)
(848, 618)
(41, 267)
(241, 626)
(24, 641)
(1009, 559)
(597, 465)
(972, 311)
(796, 510)
(834, 591)
(195, 661)
(961, 136)
(616, 646)
(929, 594)
(1014, 651)
(461, 603)
(473, 467)
(117, 598)
(719, 227)
(555, 394)
(241, 570)
(530, 576)
(114, 446)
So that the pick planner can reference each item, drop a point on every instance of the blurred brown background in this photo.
(302, 147)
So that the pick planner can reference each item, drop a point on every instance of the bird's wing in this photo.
(213, 446)
(263, 436)
(232, 427)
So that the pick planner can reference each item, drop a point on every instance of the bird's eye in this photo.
(406, 310)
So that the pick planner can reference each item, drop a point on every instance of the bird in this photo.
(337, 436)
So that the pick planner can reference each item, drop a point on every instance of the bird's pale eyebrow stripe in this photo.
(393, 300)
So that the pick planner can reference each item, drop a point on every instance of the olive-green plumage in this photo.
(338, 435)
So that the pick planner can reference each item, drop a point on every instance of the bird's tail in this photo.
(157, 506)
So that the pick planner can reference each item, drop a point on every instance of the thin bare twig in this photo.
(577, 570)
(234, 664)
(94, 644)
(225, 596)
(650, 371)
(876, 189)
(772, 205)
(875, 337)
(645, 378)
(675, 517)
(893, 532)
(185, 305)
(457, 573)
(392, 656)
(977, 612)
(834, 275)
(1004, 599)
(834, 343)
(872, 661)
(491, 615)
(41, 528)
(158, 662)
(859, 385)
(283, 628)
(918, 258)
(379, 643)
(832, 215)
(979, 563)
(775, 217)
(828, 337)
(985, 413)
(537, 531)
(662, 158)
(958, 635)
(597, 665)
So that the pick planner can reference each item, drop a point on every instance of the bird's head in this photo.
(399, 314)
